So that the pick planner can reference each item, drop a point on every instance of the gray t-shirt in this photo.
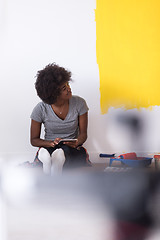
(54, 126)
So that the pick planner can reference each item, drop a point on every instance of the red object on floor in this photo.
(131, 155)
(156, 156)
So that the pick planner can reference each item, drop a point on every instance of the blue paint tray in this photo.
(139, 162)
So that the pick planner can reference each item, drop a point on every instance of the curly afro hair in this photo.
(49, 80)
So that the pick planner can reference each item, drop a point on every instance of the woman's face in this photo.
(65, 91)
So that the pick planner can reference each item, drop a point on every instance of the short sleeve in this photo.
(37, 113)
(82, 106)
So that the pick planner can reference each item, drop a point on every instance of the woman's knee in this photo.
(58, 156)
(44, 156)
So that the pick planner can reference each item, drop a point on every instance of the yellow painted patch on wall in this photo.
(128, 53)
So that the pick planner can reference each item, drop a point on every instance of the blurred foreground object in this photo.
(99, 206)
(43, 207)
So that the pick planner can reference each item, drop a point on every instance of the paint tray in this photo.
(131, 160)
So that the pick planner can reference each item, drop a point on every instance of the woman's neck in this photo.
(61, 108)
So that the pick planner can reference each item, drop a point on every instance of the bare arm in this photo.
(35, 133)
(83, 124)
(82, 137)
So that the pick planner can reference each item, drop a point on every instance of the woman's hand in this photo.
(56, 141)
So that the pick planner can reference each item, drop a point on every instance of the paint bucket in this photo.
(157, 161)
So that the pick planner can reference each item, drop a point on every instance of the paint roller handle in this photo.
(105, 155)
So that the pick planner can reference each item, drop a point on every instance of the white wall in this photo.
(37, 32)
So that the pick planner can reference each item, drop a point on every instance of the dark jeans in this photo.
(74, 157)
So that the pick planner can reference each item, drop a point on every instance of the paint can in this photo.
(157, 161)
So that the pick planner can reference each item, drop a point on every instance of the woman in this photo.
(64, 117)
